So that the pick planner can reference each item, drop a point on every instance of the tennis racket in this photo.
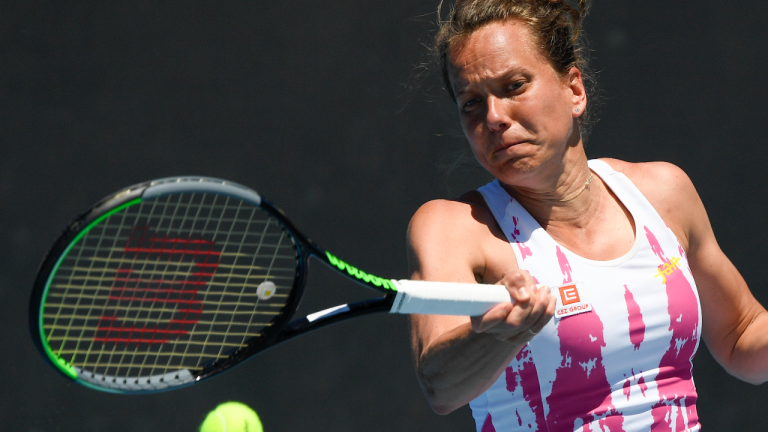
(172, 281)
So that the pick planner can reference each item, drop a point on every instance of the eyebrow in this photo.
(515, 69)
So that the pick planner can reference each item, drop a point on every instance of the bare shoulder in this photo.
(669, 190)
(656, 176)
(450, 240)
(440, 223)
(466, 212)
(661, 182)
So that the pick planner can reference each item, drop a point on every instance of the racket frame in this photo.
(47, 269)
(282, 328)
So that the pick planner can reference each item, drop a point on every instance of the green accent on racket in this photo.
(359, 274)
(59, 362)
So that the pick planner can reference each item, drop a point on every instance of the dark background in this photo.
(322, 107)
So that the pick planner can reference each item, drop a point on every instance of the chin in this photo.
(518, 165)
(514, 171)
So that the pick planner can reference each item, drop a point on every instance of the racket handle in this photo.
(446, 298)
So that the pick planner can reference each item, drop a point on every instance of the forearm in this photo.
(460, 365)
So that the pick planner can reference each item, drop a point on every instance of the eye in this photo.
(515, 86)
(470, 104)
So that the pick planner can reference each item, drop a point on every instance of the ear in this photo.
(579, 98)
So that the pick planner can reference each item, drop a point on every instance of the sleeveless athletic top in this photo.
(617, 355)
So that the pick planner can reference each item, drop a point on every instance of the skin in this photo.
(521, 119)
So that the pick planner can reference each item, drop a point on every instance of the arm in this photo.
(458, 358)
(734, 323)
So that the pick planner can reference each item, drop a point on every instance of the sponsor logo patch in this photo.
(667, 269)
(571, 301)
(569, 294)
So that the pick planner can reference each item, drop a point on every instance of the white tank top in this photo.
(624, 364)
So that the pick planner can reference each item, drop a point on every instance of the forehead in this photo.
(495, 49)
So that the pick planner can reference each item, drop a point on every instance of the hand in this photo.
(531, 309)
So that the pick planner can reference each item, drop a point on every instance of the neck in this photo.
(571, 197)
(567, 197)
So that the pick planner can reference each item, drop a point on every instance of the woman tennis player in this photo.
(613, 268)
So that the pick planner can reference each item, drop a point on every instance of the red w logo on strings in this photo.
(153, 298)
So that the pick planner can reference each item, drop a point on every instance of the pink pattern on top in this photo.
(643, 386)
(640, 383)
(677, 394)
(565, 266)
(581, 392)
(636, 324)
(682, 254)
(525, 251)
(523, 373)
(488, 424)
(515, 232)
(626, 388)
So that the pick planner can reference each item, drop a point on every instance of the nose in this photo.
(496, 117)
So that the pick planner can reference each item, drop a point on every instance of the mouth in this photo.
(505, 146)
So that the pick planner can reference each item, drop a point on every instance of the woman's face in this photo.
(516, 111)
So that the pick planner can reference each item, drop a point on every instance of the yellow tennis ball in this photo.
(232, 417)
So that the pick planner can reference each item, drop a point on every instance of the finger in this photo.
(518, 318)
(493, 317)
(544, 317)
(539, 301)
(521, 294)
(542, 299)
(527, 315)
(519, 283)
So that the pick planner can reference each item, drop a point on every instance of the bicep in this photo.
(728, 306)
(440, 248)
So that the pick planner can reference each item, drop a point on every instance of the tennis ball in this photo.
(232, 417)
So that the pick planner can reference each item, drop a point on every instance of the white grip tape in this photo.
(446, 298)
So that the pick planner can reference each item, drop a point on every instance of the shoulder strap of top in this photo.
(601, 168)
(495, 197)
(498, 200)
(627, 193)
(517, 224)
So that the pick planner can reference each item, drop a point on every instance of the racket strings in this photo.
(167, 284)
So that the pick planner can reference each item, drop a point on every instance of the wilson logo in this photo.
(667, 269)
(359, 274)
(569, 294)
